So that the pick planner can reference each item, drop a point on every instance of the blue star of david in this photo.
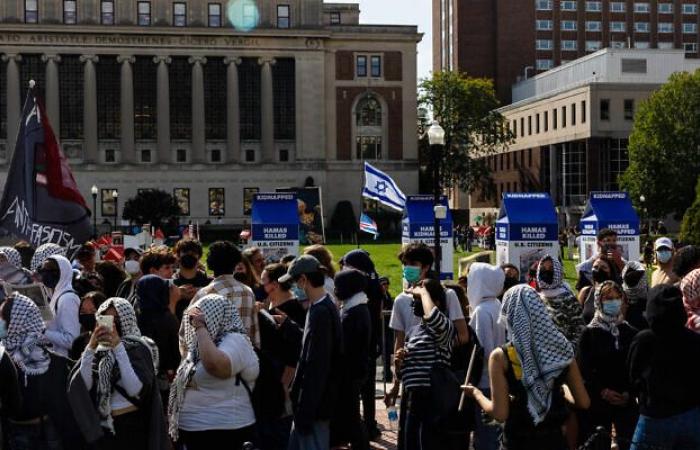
(381, 187)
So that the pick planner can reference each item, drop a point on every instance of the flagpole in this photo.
(362, 199)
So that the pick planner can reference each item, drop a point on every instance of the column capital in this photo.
(54, 58)
(263, 60)
(162, 59)
(197, 60)
(233, 60)
(121, 59)
(90, 58)
(16, 57)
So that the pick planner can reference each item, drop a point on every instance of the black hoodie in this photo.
(664, 361)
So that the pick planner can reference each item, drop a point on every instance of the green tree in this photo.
(466, 109)
(151, 206)
(690, 228)
(664, 147)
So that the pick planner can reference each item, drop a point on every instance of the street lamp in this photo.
(642, 200)
(94, 191)
(436, 139)
(115, 196)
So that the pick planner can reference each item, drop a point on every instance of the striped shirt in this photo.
(429, 345)
(242, 296)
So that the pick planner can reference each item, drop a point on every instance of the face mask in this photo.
(188, 262)
(49, 278)
(240, 277)
(600, 275)
(87, 321)
(547, 276)
(3, 329)
(664, 256)
(132, 267)
(612, 307)
(509, 283)
(411, 273)
(417, 305)
(298, 292)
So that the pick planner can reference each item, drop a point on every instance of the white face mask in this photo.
(132, 267)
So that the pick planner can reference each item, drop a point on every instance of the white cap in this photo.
(663, 242)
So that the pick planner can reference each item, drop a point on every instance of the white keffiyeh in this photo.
(222, 318)
(544, 352)
(25, 341)
(107, 368)
(43, 252)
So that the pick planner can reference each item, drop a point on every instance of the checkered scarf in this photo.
(634, 293)
(107, 369)
(25, 341)
(12, 255)
(43, 252)
(222, 318)
(544, 352)
(557, 286)
(690, 286)
(602, 320)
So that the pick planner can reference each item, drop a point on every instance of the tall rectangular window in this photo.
(180, 73)
(376, 66)
(583, 111)
(604, 109)
(546, 121)
(284, 95)
(144, 13)
(31, 11)
(283, 16)
(537, 123)
(70, 14)
(179, 14)
(629, 109)
(361, 67)
(214, 15)
(214, 102)
(573, 114)
(250, 102)
(107, 12)
(70, 73)
(554, 119)
(522, 127)
(3, 101)
(563, 116)
(335, 18)
(529, 125)
(108, 97)
(145, 88)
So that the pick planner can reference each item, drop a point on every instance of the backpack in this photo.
(267, 397)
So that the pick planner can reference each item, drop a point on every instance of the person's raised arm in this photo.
(215, 362)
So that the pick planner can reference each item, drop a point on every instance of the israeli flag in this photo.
(379, 186)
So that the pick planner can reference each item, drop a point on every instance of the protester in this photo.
(527, 375)
(512, 276)
(560, 301)
(113, 392)
(132, 267)
(11, 270)
(686, 260)
(56, 274)
(157, 261)
(602, 351)
(586, 297)
(189, 277)
(636, 287)
(88, 307)
(690, 287)
(607, 250)
(86, 257)
(43, 252)
(112, 277)
(42, 420)
(315, 386)
(663, 274)
(209, 403)
(663, 364)
(485, 285)
(157, 300)
(356, 322)
(223, 257)
(245, 273)
(325, 257)
(27, 252)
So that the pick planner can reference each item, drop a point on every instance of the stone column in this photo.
(163, 114)
(90, 138)
(199, 137)
(233, 114)
(267, 118)
(51, 90)
(126, 109)
(14, 102)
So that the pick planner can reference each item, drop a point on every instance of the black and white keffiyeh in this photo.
(639, 290)
(544, 352)
(222, 318)
(25, 341)
(107, 368)
(557, 286)
(43, 252)
(12, 255)
(602, 320)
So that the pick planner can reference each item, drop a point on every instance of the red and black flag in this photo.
(41, 202)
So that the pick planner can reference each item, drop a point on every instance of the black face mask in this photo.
(88, 321)
(509, 283)
(417, 305)
(600, 276)
(50, 278)
(547, 276)
(240, 277)
(188, 262)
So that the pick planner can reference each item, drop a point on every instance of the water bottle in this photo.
(393, 415)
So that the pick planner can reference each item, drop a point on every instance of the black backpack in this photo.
(267, 397)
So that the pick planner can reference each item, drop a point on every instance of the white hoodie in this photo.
(484, 284)
(65, 327)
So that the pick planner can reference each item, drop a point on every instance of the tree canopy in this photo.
(151, 206)
(690, 228)
(664, 147)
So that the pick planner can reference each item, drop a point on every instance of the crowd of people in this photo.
(165, 350)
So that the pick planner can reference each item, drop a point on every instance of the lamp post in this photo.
(436, 139)
(642, 200)
(94, 191)
(115, 196)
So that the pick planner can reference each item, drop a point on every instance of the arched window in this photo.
(368, 122)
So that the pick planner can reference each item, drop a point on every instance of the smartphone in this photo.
(106, 322)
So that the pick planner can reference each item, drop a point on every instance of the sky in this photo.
(402, 12)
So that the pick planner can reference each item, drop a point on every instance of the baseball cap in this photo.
(301, 265)
(663, 242)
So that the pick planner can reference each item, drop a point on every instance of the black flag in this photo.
(41, 202)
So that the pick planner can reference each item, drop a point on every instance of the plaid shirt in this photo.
(242, 296)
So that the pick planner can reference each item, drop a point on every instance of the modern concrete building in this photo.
(506, 40)
(209, 100)
(572, 126)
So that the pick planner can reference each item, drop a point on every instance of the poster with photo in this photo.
(310, 208)
(107, 201)
(248, 194)
(217, 202)
(182, 197)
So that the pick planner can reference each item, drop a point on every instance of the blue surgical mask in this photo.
(664, 256)
(3, 329)
(298, 292)
(411, 273)
(612, 307)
